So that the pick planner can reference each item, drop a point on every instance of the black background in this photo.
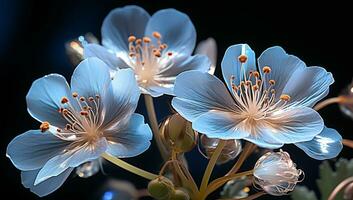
(33, 34)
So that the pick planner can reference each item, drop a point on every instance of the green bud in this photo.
(177, 132)
(161, 188)
(180, 194)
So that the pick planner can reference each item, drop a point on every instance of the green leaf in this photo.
(330, 178)
(303, 193)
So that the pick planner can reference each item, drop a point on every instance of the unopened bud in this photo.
(161, 188)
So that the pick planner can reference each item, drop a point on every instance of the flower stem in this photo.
(129, 167)
(248, 149)
(214, 185)
(210, 167)
(348, 143)
(154, 125)
(339, 99)
(339, 187)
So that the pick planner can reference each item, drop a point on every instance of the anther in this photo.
(138, 41)
(272, 82)
(68, 126)
(74, 94)
(248, 83)
(165, 46)
(273, 91)
(157, 54)
(266, 69)
(58, 130)
(131, 38)
(170, 53)
(156, 35)
(83, 113)
(258, 82)
(256, 74)
(97, 96)
(44, 126)
(242, 58)
(82, 99)
(132, 54)
(146, 39)
(64, 100)
(65, 111)
(60, 110)
(255, 87)
(285, 97)
(90, 99)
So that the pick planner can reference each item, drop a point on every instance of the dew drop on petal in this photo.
(88, 169)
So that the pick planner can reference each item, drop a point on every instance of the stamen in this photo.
(84, 113)
(74, 94)
(285, 97)
(272, 82)
(146, 39)
(132, 38)
(64, 100)
(170, 53)
(156, 35)
(138, 41)
(256, 74)
(242, 58)
(44, 126)
(82, 99)
(90, 99)
(266, 69)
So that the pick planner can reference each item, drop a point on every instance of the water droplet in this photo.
(230, 151)
(88, 169)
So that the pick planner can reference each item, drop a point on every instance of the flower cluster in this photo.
(265, 104)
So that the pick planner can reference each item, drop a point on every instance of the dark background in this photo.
(33, 34)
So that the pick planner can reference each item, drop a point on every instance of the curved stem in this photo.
(248, 149)
(339, 187)
(348, 143)
(186, 179)
(129, 167)
(154, 126)
(339, 99)
(210, 167)
(214, 185)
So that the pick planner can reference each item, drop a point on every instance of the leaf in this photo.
(330, 178)
(303, 193)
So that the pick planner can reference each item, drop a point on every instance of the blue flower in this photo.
(79, 124)
(269, 105)
(156, 47)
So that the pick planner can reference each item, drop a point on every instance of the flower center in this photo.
(255, 96)
(82, 119)
(148, 57)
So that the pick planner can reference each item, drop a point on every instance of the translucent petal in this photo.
(121, 99)
(196, 96)
(308, 85)
(326, 145)
(282, 66)
(219, 124)
(176, 29)
(112, 60)
(231, 66)
(90, 78)
(32, 149)
(46, 187)
(44, 99)
(208, 47)
(121, 23)
(132, 140)
(71, 158)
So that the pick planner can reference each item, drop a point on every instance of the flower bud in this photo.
(180, 194)
(161, 188)
(276, 173)
(176, 132)
(230, 151)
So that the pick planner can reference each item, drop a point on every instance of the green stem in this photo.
(154, 126)
(248, 149)
(129, 167)
(210, 166)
